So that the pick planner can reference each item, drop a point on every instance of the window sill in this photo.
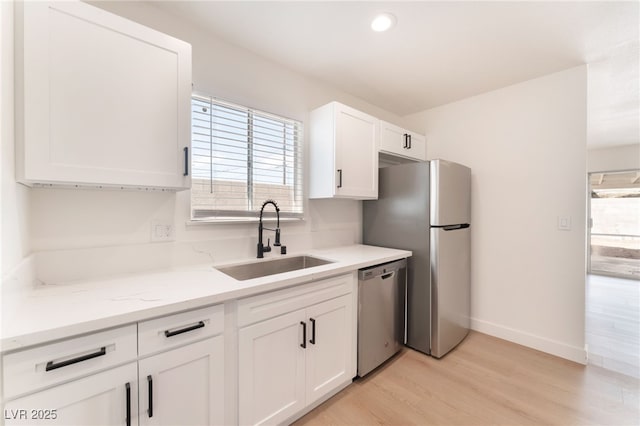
(244, 220)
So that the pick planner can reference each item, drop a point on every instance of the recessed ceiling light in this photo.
(383, 22)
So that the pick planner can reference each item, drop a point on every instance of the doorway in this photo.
(613, 284)
(614, 219)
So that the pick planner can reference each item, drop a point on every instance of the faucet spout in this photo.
(261, 248)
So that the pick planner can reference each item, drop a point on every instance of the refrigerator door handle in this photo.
(455, 227)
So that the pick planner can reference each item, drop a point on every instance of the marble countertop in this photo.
(34, 314)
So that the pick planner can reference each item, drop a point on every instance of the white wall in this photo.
(526, 146)
(617, 158)
(14, 200)
(104, 221)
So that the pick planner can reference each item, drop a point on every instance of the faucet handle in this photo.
(268, 247)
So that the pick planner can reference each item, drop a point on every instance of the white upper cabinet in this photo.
(100, 100)
(343, 153)
(397, 141)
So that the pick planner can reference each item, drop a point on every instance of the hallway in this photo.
(613, 323)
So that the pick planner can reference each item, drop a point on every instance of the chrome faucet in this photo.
(261, 248)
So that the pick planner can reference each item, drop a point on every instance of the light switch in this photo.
(564, 223)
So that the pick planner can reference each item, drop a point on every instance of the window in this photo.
(242, 157)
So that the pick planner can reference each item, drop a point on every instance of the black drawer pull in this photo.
(53, 365)
(313, 331)
(339, 178)
(303, 345)
(168, 333)
(405, 145)
(128, 387)
(150, 383)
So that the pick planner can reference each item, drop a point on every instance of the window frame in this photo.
(252, 212)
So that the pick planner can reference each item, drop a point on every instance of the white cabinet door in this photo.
(330, 347)
(101, 100)
(184, 386)
(343, 152)
(271, 369)
(107, 398)
(417, 146)
(397, 141)
(393, 139)
(356, 156)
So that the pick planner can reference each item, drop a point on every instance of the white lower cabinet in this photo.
(184, 386)
(182, 376)
(284, 352)
(328, 357)
(86, 380)
(107, 398)
(288, 362)
(164, 371)
(271, 369)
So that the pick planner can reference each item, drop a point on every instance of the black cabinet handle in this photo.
(406, 141)
(339, 178)
(128, 388)
(409, 136)
(313, 331)
(53, 365)
(186, 161)
(150, 384)
(303, 345)
(168, 333)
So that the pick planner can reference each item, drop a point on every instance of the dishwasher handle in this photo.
(384, 271)
(389, 275)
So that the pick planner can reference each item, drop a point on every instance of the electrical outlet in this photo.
(162, 231)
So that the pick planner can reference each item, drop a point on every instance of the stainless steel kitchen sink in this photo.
(247, 271)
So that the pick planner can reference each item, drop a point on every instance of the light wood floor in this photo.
(613, 323)
(484, 381)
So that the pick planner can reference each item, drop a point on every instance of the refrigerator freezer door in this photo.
(450, 193)
(450, 288)
(399, 218)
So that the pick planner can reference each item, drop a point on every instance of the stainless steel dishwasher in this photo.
(381, 319)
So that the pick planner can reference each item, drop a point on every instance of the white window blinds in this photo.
(242, 157)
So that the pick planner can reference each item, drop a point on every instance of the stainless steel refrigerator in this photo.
(426, 208)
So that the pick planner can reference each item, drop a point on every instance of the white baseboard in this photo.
(553, 347)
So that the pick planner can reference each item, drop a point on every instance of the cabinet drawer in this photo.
(98, 399)
(264, 306)
(31, 369)
(176, 330)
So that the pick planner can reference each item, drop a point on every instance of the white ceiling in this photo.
(441, 52)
